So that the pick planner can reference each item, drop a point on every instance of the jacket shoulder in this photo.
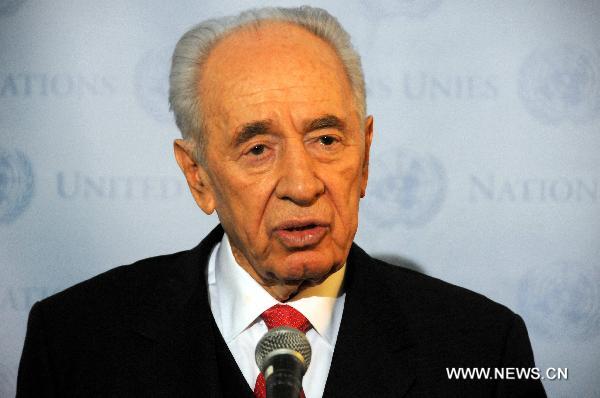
(437, 297)
(111, 297)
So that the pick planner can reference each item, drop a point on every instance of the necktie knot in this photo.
(285, 315)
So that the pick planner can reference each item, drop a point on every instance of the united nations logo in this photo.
(561, 84)
(404, 187)
(16, 184)
(9, 7)
(407, 8)
(152, 83)
(562, 301)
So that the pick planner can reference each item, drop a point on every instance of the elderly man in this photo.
(271, 105)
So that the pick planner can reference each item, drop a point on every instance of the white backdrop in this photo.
(486, 166)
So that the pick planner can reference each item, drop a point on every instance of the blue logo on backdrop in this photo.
(405, 187)
(407, 8)
(9, 7)
(562, 301)
(152, 83)
(561, 84)
(16, 184)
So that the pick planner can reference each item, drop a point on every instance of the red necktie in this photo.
(280, 315)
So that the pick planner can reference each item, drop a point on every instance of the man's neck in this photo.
(291, 290)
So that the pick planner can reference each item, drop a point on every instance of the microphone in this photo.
(283, 355)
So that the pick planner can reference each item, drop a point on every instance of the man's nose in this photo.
(298, 180)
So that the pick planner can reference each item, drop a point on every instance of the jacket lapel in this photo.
(374, 352)
(175, 315)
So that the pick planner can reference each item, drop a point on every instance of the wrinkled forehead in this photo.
(271, 62)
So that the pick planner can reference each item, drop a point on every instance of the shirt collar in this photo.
(241, 299)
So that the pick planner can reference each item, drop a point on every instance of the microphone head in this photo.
(279, 340)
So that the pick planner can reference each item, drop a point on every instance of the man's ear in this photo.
(195, 175)
(365, 169)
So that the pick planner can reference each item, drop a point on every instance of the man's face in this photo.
(286, 158)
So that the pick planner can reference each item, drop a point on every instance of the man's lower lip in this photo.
(301, 238)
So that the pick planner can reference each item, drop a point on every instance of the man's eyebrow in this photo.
(251, 130)
(325, 122)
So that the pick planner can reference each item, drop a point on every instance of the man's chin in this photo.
(309, 266)
(297, 272)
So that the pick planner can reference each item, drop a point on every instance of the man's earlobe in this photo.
(368, 140)
(195, 175)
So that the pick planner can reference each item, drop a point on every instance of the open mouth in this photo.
(295, 235)
(301, 228)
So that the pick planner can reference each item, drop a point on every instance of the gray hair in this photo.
(195, 45)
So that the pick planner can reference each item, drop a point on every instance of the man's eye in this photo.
(327, 140)
(257, 150)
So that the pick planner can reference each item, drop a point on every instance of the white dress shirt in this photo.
(237, 300)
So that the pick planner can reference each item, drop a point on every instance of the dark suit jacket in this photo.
(146, 330)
